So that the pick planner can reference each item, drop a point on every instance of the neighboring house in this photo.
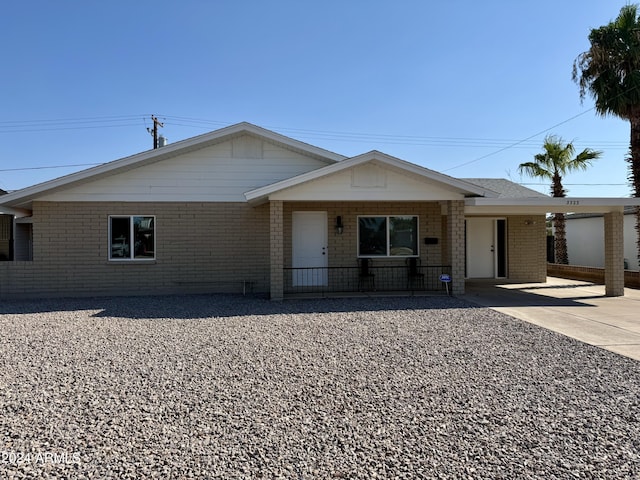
(585, 239)
(243, 208)
(6, 240)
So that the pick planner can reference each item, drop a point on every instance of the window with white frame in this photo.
(388, 236)
(132, 237)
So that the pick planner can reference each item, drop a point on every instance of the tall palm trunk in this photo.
(562, 255)
(634, 169)
(559, 222)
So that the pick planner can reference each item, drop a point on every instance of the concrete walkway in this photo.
(576, 309)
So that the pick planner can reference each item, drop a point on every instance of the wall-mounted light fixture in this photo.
(339, 225)
(530, 222)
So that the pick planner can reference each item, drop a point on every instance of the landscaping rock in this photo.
(220, 386)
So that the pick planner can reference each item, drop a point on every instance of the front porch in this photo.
(379, 279)
(311, 255)
(378, 207)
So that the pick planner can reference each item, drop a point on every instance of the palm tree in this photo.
(556, 161)
(610, 72)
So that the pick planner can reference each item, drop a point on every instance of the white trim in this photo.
(319, 274)
(496, 253)
(16, 212)
(541, 206)
(262, 194)
(388, 236)
(131, 258)
(24, 197)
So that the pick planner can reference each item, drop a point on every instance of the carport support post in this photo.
(614, 254)
(276, 248)
(455, 237)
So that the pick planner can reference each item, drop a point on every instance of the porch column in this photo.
(276, 248)
(614, 254)
(455, 238)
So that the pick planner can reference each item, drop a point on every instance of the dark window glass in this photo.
(143, 231)
(403, 236)
(120, 237)
(388, 236)
(131, 238)
(372, 236)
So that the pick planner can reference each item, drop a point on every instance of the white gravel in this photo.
(214, 386)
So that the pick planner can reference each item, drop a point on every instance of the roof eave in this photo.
(549, 205)
(24, 197)
(260, 195)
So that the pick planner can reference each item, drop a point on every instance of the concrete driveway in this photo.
(573, 308)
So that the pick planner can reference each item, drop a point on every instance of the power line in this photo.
(118, 121)
(537, 134)
(27, 126)
(17, 126)
(48, 166)
(358, 137)
(70, 120)
(519, 142)
(86, 127)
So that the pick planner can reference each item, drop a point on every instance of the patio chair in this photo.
(366, 278)
(414, 275)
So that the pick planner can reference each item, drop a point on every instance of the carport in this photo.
(611, 208)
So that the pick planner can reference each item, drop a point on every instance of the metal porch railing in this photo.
(386, 278)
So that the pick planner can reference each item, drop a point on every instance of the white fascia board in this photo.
(16, 212)
(24, 196)
(463, 186)
(547, 205)
(403, 165)
(261, 194)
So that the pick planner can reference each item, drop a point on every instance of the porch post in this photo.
(614, 254)
(276, 248)
(455, 237)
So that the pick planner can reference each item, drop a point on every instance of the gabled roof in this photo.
(506, 188)
(21, 199)
(465, 188)
(482, 196)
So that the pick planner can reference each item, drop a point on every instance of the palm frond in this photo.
(556, 160)
(610, 70)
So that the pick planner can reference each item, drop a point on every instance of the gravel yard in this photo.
(212, 386)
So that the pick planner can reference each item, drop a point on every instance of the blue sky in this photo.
(463, 87)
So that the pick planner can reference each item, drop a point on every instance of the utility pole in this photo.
(154, 131)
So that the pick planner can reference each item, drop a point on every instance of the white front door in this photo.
(481, 248)
(309, 246)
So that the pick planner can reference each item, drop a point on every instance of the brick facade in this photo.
(456, 244)
(527, 248)
(614, 254)
(343, 248)
(232, 247)
(276, 232)
(197, 250)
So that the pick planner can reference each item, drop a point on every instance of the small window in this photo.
(132, 238)
(388, 236)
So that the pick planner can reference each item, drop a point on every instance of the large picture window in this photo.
(132, 238)
(390, 236)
